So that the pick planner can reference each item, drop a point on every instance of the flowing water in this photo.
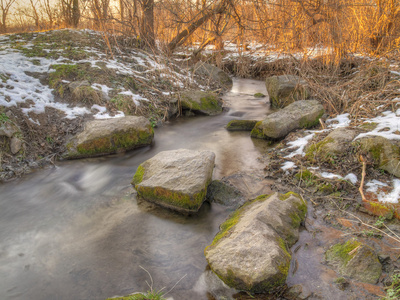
(77, 231)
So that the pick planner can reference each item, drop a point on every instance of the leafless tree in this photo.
(5, 6)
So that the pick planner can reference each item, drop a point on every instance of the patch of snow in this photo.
(105, 89)
(351, 177)
(393, 196)
(21, 87)
(135, 97)
(102, 113)
(340, 121)
(373, 185)
(388, 125)
(330, 175)
(288, 165)
(300, 144)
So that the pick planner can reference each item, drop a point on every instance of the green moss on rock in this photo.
(172, 199)
(341, 252)
(138, 177)
(233, 220)
(121, 140)
(259, 95)
(241, 125)
(257, 131)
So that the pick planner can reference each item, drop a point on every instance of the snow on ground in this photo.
(388, 126)
(18, 85)
(299, 144)
(392, 197)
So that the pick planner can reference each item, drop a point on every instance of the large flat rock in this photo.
(299, 114)
(101, 137)
(251, 250)
(176, 179)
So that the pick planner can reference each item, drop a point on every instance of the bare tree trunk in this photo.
(147, 23)
(4, 9)
(35, 14)
(76, 14)
(122, 9)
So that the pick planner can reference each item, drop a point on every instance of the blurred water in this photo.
(77, 231)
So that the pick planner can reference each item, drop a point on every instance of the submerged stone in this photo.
(200, 102)
(285, 89)
(299, 114)
(250, 252)
(101, 137)
(241, 125)
(176, 179)
(355, 260)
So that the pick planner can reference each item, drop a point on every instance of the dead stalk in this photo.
(364, 167)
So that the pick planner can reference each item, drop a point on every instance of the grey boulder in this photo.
(176, 179)
(286, 89)
(299, 114)
(250, 252)
(101, 137)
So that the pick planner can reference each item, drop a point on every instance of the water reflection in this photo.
(77, 231)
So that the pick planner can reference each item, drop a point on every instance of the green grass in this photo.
(393, 291)
(4, 119)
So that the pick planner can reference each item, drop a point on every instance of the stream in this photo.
(77, 231)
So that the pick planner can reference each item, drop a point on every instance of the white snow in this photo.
(340, 121)
(330, 175)
(373, 185)
(288, 165)
(135, 97)
(388, 126)
(392, 197)
(351, 177)
(300, 144)
(105, 89)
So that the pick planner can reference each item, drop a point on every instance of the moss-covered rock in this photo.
(241, 125)
(101, 137)
(176, 179)
(385, 153)
(250, 252)
(259, 95)
(285, 89)
(336, 144)
(300, 114)
(200, 102)
(355, 260)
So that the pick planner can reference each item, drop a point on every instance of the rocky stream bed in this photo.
(208, 191)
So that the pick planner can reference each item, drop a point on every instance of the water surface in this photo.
(77, 231)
